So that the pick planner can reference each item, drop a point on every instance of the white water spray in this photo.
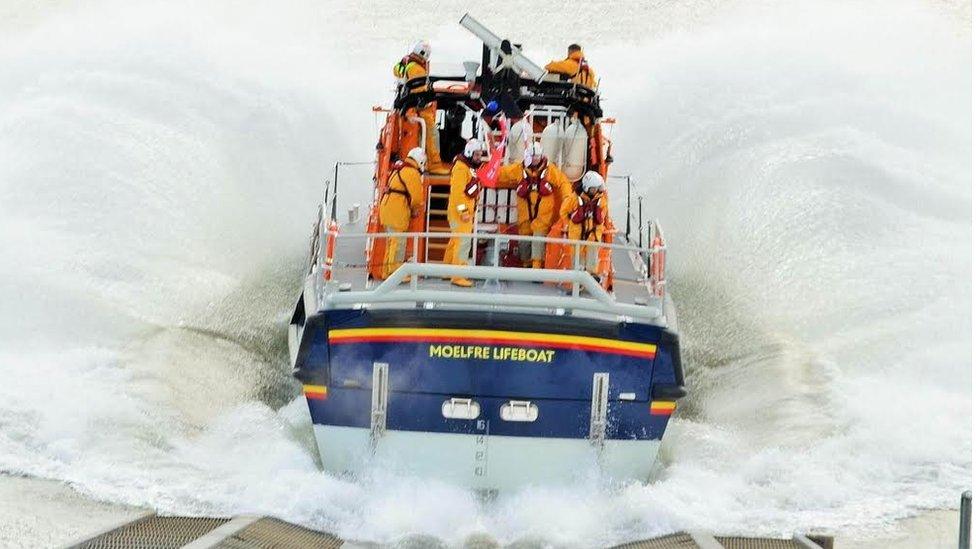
(159, 170)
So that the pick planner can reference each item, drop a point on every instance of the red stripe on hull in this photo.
(488, 341)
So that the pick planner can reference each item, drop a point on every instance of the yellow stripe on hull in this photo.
(354, 333)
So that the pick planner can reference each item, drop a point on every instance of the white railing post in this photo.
(474, 239)
(576, 260)
(496, 261)
(413, 280)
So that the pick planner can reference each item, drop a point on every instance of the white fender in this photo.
(552, 139)
(518, 136)
(574, 146)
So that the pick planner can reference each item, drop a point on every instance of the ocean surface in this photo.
(160, 165)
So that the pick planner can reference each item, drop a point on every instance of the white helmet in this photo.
(472, 146)
(419, 156)
(422, 49)
(533, 154)
(592, 180)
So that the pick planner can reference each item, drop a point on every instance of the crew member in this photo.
(538, 187)
(402, 200)
(574, 67)
(586, 213)
(416, 65)
(462, 204)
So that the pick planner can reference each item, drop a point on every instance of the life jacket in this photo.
(473, 186)
(399, 166)
(534, 182)
(583, 72)
(589, 214)
(402, 68)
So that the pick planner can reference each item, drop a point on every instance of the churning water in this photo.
(159, 169)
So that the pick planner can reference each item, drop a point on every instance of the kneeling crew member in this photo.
(587, 213)
(574, 67)
(537, 184)
(462, 204)
(403, 200)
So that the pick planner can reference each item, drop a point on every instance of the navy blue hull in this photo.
(493, 358)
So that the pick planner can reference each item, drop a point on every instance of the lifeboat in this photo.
(532, 376)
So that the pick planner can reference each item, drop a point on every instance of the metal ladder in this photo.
(438, 192)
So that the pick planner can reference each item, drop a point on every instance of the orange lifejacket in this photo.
(473, 186)
(587, 218)
(534, 183)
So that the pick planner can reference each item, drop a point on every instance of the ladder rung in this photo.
(438, 212)
(437, 245)
(438, 179)
(440, 195)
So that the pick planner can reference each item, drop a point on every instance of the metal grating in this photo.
(155, 533)
(757, 543)
(270, 533)
(673, 541)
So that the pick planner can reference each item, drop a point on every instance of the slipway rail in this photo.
(255, 532)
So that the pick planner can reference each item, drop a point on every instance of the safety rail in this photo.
(331, 292)
(438, 88)
(315, 251)
(634, 232)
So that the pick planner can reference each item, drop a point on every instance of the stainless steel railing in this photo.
(331, 294)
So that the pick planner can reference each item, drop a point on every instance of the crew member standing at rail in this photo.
(574, 67)
(462, 205)
(402, 200)
(538, 185)
(586, 214)
(416, 65)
